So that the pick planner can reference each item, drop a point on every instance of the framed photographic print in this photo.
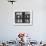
(23, 18)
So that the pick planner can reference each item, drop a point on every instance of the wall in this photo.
(9, 31)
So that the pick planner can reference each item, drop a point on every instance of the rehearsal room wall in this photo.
(8, 30)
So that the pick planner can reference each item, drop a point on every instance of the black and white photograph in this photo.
(23, 18)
